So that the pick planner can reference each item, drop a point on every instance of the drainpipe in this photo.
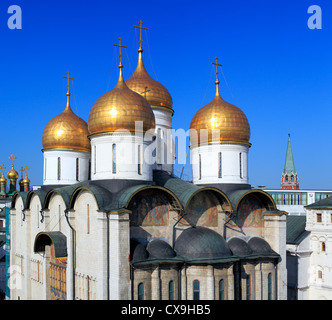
(73, 250)
(108, 254)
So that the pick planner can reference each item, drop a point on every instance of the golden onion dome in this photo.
(12, 174)
(3, 180)
(119, 109)
(153, 91)
(26, 181)
(66, 131)
(223, 123)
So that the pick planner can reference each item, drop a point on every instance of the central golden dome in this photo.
(12, 174)
(119, 109)
(66, 131)
(219, 122)
(153, 91)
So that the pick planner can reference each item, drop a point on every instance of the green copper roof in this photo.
(289, 167)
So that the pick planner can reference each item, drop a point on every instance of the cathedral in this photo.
(113, 222)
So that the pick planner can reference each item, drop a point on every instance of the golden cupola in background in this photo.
(66, 131)
(141, 82)
(229, 122)
(12, 174)
(119, 109)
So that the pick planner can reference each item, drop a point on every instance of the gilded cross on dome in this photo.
(26, 169)
(217, 79)
(120, 55)
(3, 169)
(68, 78)
(12, 158)
(145, 92)
(140, 33)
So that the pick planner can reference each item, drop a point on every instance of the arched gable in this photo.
(102, 197)
(249, 207)
(149, 205)
(203, 207)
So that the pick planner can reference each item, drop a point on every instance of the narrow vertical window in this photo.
(114, 158)
(319, 217)
(171, 290)
(221, 290)
(59, 218)
(248, 289)
(158, 146)
(199, 167)
(45, 168)
(196, 290)
(269, 286)
(139, 166)
(94, 160)
(77, 169)
(140, 291)
(59, 168)
(88, 218)
(240, 163)
(89, 174)
(323, 247)
(219, 165)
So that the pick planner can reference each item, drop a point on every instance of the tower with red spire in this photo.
(289, 177)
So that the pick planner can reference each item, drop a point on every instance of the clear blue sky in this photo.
(278, 72)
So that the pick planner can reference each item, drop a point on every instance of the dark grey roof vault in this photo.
(200, 244)
(295, 229)
(183, 190)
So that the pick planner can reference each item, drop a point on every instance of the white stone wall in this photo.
(320, 270)
(164, 143)
(126, 157)
(68, 167)
(275, 235)
(230, 164)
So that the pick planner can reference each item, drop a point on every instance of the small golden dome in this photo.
(12, 174)
(153, 91)
(26, 181)
(3, 180)
(66, 131)
(118, 110)
(229, 122)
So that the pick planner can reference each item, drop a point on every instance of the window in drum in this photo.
(139, 167)
(240, 160)
(59, 168)
(199, 167)
(114, 158)
(77, 169)
(219, 165)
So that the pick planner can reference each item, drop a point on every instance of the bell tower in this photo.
(289, 177)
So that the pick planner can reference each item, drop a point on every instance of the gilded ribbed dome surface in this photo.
(118, 110)
(12, 174)
(66, 131)
(153, 91)
(221, 115)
